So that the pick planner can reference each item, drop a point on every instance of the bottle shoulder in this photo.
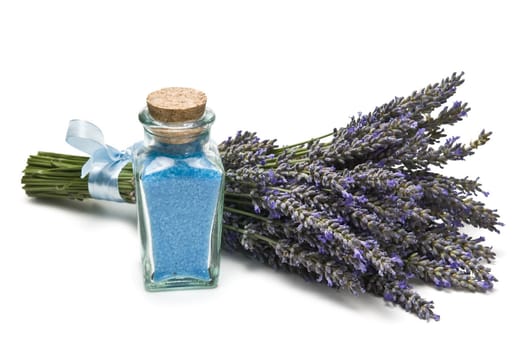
(150, 162)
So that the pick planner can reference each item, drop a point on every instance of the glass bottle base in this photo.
(179, 283)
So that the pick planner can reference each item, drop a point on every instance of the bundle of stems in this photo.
(359, 209)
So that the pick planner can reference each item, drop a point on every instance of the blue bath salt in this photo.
(181, 194)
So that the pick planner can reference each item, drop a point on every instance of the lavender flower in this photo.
(400, 293)
(445, 275)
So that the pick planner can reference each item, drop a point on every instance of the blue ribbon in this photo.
(105, 163)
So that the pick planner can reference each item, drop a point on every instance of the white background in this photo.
(70, 272)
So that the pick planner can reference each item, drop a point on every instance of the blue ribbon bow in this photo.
(105, 163)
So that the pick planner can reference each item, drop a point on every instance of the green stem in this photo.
(279, 189)
(281, 149)
(55, 175)
(235, 194)
(251, 234)
(246, 213)
(239, 202)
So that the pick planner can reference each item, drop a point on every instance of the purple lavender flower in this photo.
(402, 284)
(388, 296)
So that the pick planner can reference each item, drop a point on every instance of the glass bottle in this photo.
(179, 180)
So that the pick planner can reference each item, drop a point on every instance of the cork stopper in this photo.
(176, 104)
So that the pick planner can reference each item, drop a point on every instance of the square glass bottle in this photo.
(179, 192)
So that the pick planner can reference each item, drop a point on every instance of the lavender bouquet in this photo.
(360, 209)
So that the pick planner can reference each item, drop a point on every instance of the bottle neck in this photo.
(176, 145)
(177, 138)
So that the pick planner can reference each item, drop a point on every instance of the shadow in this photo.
(365, 303)
(103, 210)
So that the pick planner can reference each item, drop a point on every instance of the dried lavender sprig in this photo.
(455, 208)
(402, 294)
(448, 116)
(377, 141)
(457, 250)
(450, 150)
(419, 104)
(463, 186)
(336, 274)
(249, 145)
(423, 101)
(445, 275)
